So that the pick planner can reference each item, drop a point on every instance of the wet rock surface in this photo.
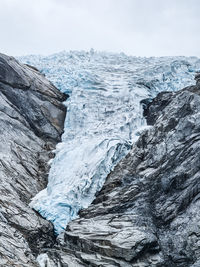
(147, 213)
(31, 123)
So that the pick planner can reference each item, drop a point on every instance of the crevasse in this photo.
(104, 118)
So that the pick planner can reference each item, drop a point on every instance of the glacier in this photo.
(104, 119)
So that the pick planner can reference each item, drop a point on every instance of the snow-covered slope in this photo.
(103, 120)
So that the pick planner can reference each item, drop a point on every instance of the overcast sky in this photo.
(136, 27)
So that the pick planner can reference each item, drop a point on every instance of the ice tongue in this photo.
(104, 119)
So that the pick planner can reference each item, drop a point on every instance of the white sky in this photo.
(136, 27)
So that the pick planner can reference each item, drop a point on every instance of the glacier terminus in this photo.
(104, 118)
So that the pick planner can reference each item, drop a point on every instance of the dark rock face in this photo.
(147, 213)
(197, 78)
(31, 122)
(153, 107)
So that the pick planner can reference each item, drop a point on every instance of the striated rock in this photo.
(153, 108)
(104, 118)
(197, 78)
(147, 213)
(31, 123)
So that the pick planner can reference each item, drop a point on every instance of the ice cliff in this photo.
(104, 118)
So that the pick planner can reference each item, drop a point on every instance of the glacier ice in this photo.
(104, 119)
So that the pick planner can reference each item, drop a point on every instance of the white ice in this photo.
(104, 119)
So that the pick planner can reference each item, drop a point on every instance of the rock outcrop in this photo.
(31, 123)
(147, 213)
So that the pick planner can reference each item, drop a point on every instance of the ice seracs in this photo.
(103, 120)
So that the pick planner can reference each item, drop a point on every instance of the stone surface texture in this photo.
(148, 211)
(31, 122)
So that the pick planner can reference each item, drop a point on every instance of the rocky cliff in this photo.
(147, 213)
(31, 122)
(104, 119)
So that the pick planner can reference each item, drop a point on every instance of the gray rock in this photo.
(147, 213)
(197, 78)
(31, 122)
